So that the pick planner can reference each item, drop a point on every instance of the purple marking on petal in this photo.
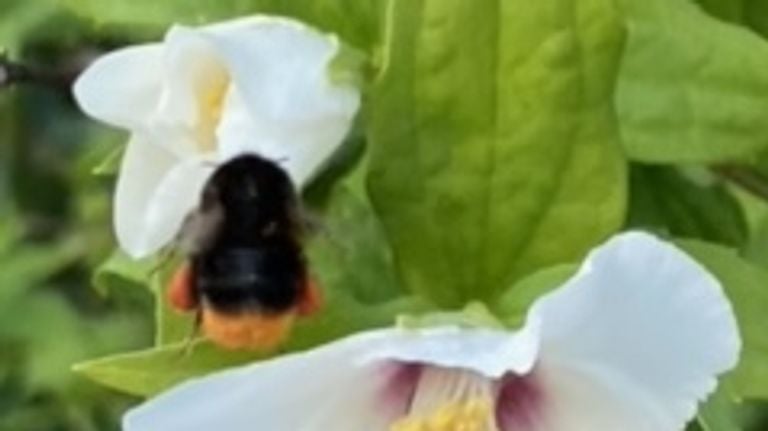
(519, 402)
(400, 388)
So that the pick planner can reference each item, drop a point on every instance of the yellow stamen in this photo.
(471, 415)
(211, 105)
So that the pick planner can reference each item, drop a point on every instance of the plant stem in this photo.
(747, 178)
(12, 73)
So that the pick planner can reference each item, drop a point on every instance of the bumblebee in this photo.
(246, 274)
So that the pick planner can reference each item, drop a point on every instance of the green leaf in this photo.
(349, 67)
(473, 315)
(728, 10)
(148, 372)
(25, 266)
(120, 271)
(718, 414)
(756, 15)
(663, 199)
(752, 13)
(110, 165)
(757, 249)
(514, 304)
(172, 326)
(691, 88)
(355, 21)
(19, 17)
(494, 143)
(747, 288)
(351, 252)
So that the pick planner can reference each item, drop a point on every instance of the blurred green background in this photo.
(54, 229)
(55, 222)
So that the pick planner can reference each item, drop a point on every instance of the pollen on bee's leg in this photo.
(180, 294)
(312, 299)
(246, 331)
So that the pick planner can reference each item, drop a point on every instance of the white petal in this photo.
(323, 389)
(239, 133)
(142, 169)
(122, 88)
(489, 352)
(561, 399)
(635, 340)
(176, 196)
(193, 75)
(279, 68)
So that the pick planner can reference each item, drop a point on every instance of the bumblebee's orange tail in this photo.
(247, 331)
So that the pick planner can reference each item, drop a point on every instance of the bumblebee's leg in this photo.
(181, 293)
(189, 341)
(166, 255)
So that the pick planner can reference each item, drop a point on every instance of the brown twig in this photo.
(13, 72)
(745, 177)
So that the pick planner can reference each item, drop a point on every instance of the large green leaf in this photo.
(356, 21)
(747, 288)
(494, 144)
(666, 201)
(691, 88)
(150, 371)
(350, 251)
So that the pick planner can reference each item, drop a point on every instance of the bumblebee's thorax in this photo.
(254, 260)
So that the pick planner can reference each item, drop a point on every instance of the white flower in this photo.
(205, 95)
(631, 343)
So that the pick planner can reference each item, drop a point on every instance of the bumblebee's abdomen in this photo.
(266, 279)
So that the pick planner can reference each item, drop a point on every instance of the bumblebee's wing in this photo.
(200, 229)
(306, 222)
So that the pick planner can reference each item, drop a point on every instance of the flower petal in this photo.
(323, 389)
(491, 353)
(177, 195)
(195, 82)
(279, 68)
(561, 399)
(142, 169)
(639, 334)
(122, 88)
(239, 133)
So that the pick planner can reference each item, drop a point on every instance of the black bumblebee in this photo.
(246, 275)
